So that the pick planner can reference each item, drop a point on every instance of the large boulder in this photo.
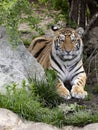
(16, 63)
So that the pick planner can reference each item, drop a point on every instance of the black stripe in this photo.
(55, 70)
(78, 68)
(78, 46)
(38, 53)
(72, 67)
(53, 58)
(76, 75)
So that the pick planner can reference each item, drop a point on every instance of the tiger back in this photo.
(40, 49)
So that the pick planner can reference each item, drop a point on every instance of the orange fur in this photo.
(40, 49)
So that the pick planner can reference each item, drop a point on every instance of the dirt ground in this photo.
(90, 103)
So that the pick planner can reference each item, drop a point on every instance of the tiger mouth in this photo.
(67, 55)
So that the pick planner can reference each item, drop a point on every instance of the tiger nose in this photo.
(68, 51)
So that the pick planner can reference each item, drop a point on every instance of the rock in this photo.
(91, 51)
(11, 121)
(35, 126)
(8, 119)
(93, 126)
(16, 63)
(73, 128)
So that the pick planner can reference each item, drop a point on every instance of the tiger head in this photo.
(67, 42)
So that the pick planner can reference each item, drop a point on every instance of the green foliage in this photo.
(77, 115)
(47, 91)
(67, 109)
(27, 105)
(59, 5)
(40, 103)
(26, 42)
(79, 118)
(72, 24)
(11, 12)
(18, 100)
(39, 30)
(96, 89)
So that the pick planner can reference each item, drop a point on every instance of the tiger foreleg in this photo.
(63, 91)
(77, 90)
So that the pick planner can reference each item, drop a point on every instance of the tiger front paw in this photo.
(78, 92)
(64, 93)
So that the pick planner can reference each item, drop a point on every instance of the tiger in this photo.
(64, 54)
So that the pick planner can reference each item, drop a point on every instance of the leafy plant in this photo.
(47, 91)
(11, 12)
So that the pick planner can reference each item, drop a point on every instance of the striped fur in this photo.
(63, 53)
(40, 49)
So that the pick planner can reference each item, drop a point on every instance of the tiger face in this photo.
(68, 43)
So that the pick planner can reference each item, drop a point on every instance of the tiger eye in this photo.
(72, 37)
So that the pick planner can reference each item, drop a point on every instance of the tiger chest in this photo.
(65, 74)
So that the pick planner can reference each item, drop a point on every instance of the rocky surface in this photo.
(91, 50)
(16, 63)
(10, 121)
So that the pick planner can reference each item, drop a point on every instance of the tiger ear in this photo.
(55, 28)
(80, 31)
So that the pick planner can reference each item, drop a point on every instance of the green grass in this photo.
(47, 91)
(28, 105)
(41, 103)
(81, 118)
(26, 42)
(95, 90)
